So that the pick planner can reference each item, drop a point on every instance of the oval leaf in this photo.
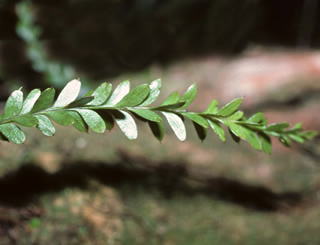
(212, 108)
(277, 127)
(93, 119)
(27, 121)
(68, 94)
(13, 105)
(265, 143)
(127, 124)
(45, 125)
(80, 102)
(61, 117)
(135, 97)
(147, 114)
(176, 124)
(78, 122)
(30, 101)
(217, 129)
(154, 92)
(13, 133)
(229, 108)
(44, 101)
(121, 90)
(101, 94)
(173, 98)
(201, 131)
(196, 118)
(157, 129)
(189, 95)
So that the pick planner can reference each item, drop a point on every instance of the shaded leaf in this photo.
(80, 102)
(230, 107)
(101, 94)
(13, 105)
(147, 114)
(61, 117)
(157, 129)
(189, 95)
(176, 124)
(78, 122)
(44, 101)
(233, 136)
(154, 92)
(309, 134)
(93, 119)
(30, 101)
(68, 94)
(121, 90)
(217, 129)
(252, 138)
(265, 143)
(169, 107)
(277, 127)
(127, 124)
(27, 120)
(107, 118)
(45, 125)
(201, 131)
(13, 133)
(135, 97)
(284, 140)
(196, 118)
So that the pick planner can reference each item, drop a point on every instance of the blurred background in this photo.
(105, 189)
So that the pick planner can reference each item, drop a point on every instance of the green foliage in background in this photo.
(102, 108)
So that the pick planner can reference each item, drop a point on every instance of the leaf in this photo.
(80, 102)
(252, 138)
(27, 121)
(217, 129)
(265, 143)
(173, 98)
(79, 122)
(154, 92)
(45, 125)
(68, 94)
(189, 95)
(212, 108)
(101, 94)
(277, 127)
(234, 136)
(168, 107)
(93, 119)
(256, 118)
(121, 90)
(284, 140)
(236, 129)
(44, 100)
(297, 138)
(61, 117)
(176, 124)
(309, 134)
(196, 118)
(13, 105)
(236, 116)
(147, 114)
(135, 97)
(13, 133)
(157, 129)
(127, 124)
(107, 118)
(201, 131)
(229, 108)
(30, 101)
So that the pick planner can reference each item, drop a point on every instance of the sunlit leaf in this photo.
(135, 97)
(147, 114)
(45, 125)
(234, 136)
(229, 108)
(217, 129)
(44, 101)
(101, 94)
(30, 101)
(68, 94)
(154, 92)
(189, 95)
(176, 124)
(212, 108)
(236, 116)
(173, 98)
(196, 118)
(121, 90)
(93, 119)
(252, 138)
(277, 127)
(13, 133)
(61, 117)
(127, 125)
(236, 129)
(13, 105)
(256, 118)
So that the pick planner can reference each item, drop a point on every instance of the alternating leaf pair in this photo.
(101, 109)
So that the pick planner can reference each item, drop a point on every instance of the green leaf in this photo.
(173, 98)
(61, 117)
(169, 107)
(234, 136)
(256, 118)
(265, 143)
(277, 127)
(201, 131)
(236, 129)
(157, 129)
(127, 125)
(80, 102)
(189, 95)
(101, 94)
(176, 124)
(30, 101)
(13, 133)
(212, 108)
(44, 101)
(45, 125)
(13, 105)
(121, 91)
(284, 140)
(297, 138)
(135, 97)
(107, 118)
(309, 134)
(79, 122)
(196, 118)
(68, 94)
(229, 108)
(147, 114)
(26, 120)
(154, 92)
(217, 129)
(252, 138)
(93, 119)
(236, 116)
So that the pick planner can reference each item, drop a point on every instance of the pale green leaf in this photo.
(229, 108)
(236, 129)
(154, 92)
(101, 94)
(93, 119)
(135, 97)
(173, 98)
(13, 133)
(26, 120)
(236, 116)
(234, 136)
(217, 129)
(13, 105)
(61, 117)
(176, 124)
(127, 125)
(45, 125)
(297, 138)
(30, 101)
(44, 101)
(252, 138)
(196, 118)
(189, 95)
(256, 118)
(121, 91)
(212, 108)
(147, 114)
(68, 94)
(157, 129)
